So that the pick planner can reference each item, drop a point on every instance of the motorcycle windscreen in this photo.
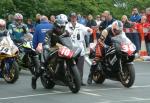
(7, 47)
(125, 44)
(66, 41)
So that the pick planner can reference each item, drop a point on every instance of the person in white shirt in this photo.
(78, 32)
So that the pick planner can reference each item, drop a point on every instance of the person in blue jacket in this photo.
(136, 17)
(38, 42)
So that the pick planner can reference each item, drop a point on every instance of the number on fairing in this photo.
(124, 47)
(65, 51)
(127, 47)
(4, 49)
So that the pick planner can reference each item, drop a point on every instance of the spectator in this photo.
(30, 26)
(148, 14)
(142, 13)
(77, 32)
(135, 17)
(144, 24)
(78, 18)
(38, 42)
(98, 20)
(127, 24)
(102, 17)
(10, 20)
(37, 19)
(52, 19)
(108, 21)
(82, 20)
(92, 24)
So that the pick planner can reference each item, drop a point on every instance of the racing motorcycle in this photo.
(25, 56)
(8, 65)
(61, 67)
(117, 64)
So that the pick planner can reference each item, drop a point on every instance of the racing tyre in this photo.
(11, 72)
(46, 82)
(128, 77)
(75, 80)
(98, 77)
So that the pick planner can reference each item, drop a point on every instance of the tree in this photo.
(7, 7)
(29, 8)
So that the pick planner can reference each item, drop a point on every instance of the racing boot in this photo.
(90, 77)
(38, 71)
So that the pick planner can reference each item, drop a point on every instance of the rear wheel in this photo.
(11, 72)
(98, 77)
(75, 79)
(127, 78)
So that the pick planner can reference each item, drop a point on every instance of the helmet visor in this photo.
(116, 31)
(2, 27)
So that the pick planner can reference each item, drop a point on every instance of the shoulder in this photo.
(24, 24)
(108, 28)
(68, 25)
(12, 25)
(6, 33)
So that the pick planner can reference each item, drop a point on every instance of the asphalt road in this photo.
(109, 92)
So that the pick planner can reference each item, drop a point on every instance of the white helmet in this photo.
(61, 19)
(2, 25)
(117, 27)
(18, 16)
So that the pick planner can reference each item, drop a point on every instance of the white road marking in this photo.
(33, 95)
(93, 94)
(141, 74)
(83, 91)
(142, 86)
(136, 98)
(133, 99)
(88, 90)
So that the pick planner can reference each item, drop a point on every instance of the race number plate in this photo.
(65, 52)
(4, 50)
(128, 48)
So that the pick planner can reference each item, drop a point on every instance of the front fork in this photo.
(67, 69)
(8, 63)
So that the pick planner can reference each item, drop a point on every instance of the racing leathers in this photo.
(18, 31)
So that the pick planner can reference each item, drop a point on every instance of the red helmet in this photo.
(18, 16)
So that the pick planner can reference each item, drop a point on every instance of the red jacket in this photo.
(148, 18)
(139, 27)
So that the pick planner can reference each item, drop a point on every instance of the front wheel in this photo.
(11, 72)
(98, 77)
(127, 78)
(46, 82)
(75, 82)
